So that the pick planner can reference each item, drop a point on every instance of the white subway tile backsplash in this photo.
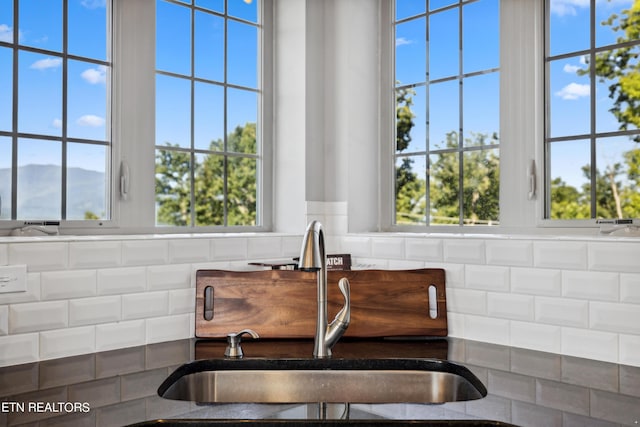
(95, 254)
(91, 311)
(38, 316)
(455, 324)
(466, 301)
(629, 288)
(536, 281)
(400, 264)
(18, 349)
(189, 250)
(67, 342)
(4, 320)
(622, 318)
(387, 248)
(562, 312)
(509, 252)
(32, 294)
(359, 246)
(536, 336)
(510, 306)
(590, 344)
(291, 246)
(454, 273)
(173, 276)
(225, 248)
(563, 255)
(115, 281)
(168, 328)
(67, 284)
(489, 278)
(145, 252)
(182, 301)
(629, 350)
(464, 251)
(150, 304)
(487, 329)
(264, 248)
(111, 336)
(619, 257)
(591, 285)
(41, 256)
(424, 249)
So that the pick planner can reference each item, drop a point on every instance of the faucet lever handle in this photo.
(233, 342)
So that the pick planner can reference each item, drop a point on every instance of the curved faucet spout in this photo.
(313, 258)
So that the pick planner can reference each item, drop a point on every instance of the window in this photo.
(447, 112)
(592, 109)
(55, 146)
(208, 152)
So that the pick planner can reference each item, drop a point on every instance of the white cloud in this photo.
(93, 4)
(574, 91)
(6, 33)
(90, 120)
(568, 68)
(400, 41)
(95, 75)
(43, 64)
(57, 123)
(567, 7)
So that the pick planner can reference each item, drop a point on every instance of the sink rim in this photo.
(217, 368)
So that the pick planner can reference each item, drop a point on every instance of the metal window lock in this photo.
(233, 343)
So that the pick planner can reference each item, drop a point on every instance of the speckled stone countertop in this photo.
(525, 388)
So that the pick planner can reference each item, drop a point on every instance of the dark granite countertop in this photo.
(525, 388)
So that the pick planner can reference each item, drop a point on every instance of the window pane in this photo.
(86, 192)
(88, 28)
(41, 24)
(444, 189)
(411, 190)
(39, 179)
(481, 48)
(444, 44)
(242, 54)
(246, 9)
(568, 26)
(569, 98)
(607, 32)
(437, 4)
(209, 189)
(617, 178)
(39, 94)
(6, 21)
(242, 191)
(570, 163)
(173, 111)
(87, 101)
(444, 114)
(173, 38)
(6, 88)
(411, 119)
(481, 98)
(173, 188)
(481, 187)
(241, 120)
(5, 178)
(618, 109)
(209, 47)
(407, 8)
(215, 5)
(209, 117)
(411, 60)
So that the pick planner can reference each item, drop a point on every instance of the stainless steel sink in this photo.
(322, 380)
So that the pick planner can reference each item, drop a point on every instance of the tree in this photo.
(174, 185)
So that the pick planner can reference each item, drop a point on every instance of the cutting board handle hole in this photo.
(433, 302)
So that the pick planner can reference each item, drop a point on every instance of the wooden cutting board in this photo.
(282, 303)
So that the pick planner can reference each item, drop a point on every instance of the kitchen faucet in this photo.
(313, 258)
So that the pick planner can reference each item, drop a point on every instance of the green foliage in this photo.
(176, 191)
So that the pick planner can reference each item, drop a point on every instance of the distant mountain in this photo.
(40, 190)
